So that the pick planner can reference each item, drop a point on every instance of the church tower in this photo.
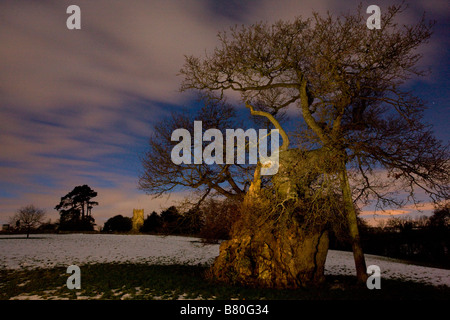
(137, 220)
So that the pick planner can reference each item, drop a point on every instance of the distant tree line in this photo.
(75, 210)
(423, 239)
(211, 221)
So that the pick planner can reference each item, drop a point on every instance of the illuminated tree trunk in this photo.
(358, 254)
(271, 244)
(264, 254)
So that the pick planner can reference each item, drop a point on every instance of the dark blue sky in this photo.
(77, 106)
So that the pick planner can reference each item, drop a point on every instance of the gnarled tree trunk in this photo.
(272, 245)
(286, 256)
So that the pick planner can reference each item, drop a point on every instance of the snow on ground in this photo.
(65, 249)
(342, 263)
(48, 250)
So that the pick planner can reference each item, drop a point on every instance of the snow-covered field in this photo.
(49, 250)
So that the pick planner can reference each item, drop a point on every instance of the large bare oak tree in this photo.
(348, 83)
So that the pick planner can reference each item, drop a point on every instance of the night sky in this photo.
(77, 106)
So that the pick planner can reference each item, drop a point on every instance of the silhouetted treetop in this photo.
(75, 208)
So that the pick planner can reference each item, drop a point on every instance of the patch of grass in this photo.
(141, 281)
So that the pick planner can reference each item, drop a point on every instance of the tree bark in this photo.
(262, 253)
(358, 254)
(271, 245)
(350, 213)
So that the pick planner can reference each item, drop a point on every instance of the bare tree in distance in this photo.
(28, 218)
(348, 82)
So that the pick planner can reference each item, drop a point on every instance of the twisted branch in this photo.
(274, 121)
